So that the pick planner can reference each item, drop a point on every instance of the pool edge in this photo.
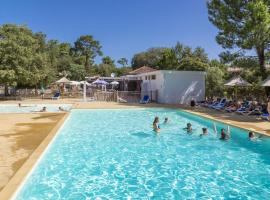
(13, 185)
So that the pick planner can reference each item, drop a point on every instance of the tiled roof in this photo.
(142, 70)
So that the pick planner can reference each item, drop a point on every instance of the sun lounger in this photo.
(244, 108)
(265, 115)
(221, 103)
(145, 99)
(56, 96)
(121, 100)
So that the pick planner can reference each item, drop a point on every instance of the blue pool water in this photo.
(26, 108)
(114, 154)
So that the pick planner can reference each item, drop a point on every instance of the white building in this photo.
(172, 87)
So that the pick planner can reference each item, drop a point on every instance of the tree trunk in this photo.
(86, 64)
(261, 57)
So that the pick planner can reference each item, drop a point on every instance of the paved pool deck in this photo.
(24, 137)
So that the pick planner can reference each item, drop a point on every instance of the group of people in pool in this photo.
(224, 135)
(44, 108)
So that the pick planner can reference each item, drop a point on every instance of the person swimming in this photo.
(224, 135)
(156, 127)
(166, 120)
(44, 109)
(188, 128)
(61, 109)
(251, 135)
(204, 132)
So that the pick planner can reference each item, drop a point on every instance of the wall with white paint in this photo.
(174, 87)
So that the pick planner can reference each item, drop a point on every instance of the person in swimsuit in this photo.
(166, 120)
(268, 107)
(61, 109)
(224, 135)
(156, 127)
(44, 109)
(204, 132)
(251, 135)
(188, 128)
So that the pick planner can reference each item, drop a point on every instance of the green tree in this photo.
(76, 72)
(215, 79)
(123, 62)
(150, 58)
(88, 48)
(108, 61)
(244, 24)
(22, 54)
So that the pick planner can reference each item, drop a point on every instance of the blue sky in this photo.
(124, 27)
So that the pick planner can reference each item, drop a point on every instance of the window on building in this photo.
(153, 77)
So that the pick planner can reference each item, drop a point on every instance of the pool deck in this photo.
(24, 137)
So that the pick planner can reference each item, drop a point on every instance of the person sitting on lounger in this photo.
(156, 127)
(188, 128)
(204, 132)
(224, 135)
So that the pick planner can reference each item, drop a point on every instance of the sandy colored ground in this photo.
(20, 134)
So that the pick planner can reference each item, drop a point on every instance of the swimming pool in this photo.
(114, 154)
(26, 108)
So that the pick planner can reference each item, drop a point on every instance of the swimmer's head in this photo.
(204, 130)
(156, 120)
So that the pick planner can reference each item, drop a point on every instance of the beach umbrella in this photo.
(74, 83)
(100, 82)
(63, 80)
(237, 81)
(85, 82)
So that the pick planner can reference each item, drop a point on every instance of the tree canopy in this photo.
(243, 24)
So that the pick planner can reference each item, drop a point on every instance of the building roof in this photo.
(141, 70)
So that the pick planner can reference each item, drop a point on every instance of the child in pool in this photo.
(188, 128)
(204, 132)
(166, 120)
(156, 127)
(251, 135)
(224, 135)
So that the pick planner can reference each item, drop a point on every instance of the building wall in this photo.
(175, 87)
(182, 86)
(152, 87)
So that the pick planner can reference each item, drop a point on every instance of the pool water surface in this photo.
(114, 154)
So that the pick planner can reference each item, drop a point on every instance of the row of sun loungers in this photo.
(247, 107)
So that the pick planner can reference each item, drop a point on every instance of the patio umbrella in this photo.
(85, 82)
(100, 82)
(74, 83)
(63, 80)
(114, 83)
(236, 82)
